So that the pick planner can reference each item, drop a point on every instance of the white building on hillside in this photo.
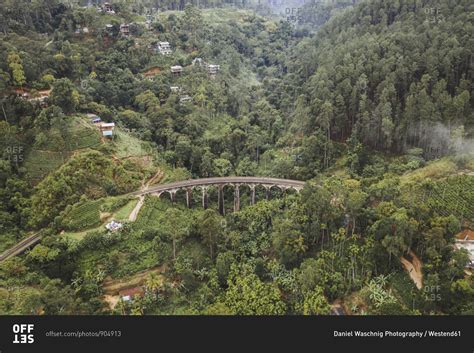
(164, 48)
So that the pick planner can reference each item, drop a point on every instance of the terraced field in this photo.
(151, 213)
(90, 214)
(59, 146)
(40, 163)
(454, 195)
(83, 216)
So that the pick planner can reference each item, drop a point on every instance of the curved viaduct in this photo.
(189, 186)
(236, 182)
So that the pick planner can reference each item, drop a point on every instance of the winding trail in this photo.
(134, 214)
(145, 186)
(414, 269)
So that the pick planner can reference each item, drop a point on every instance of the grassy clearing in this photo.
(215, 15)
(123, 213)
(77, 236)
(224, 15)
(435, 170)
(127, 146)
(82, 135)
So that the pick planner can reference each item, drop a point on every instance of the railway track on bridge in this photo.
(21, 246)
(234, 181)
(287, 183)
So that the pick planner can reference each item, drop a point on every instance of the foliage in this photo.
(247, 295)
(356, 102)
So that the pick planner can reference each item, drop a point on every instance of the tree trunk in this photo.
(174, 249)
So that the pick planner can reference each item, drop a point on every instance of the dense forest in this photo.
(369, 102)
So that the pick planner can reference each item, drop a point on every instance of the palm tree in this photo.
(153, 283)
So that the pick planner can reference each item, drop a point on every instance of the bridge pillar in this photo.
(173, 195)
(220, 199)
(267, 192)
(189, 197)
(237, 197)
(252, 194)
(204, 197)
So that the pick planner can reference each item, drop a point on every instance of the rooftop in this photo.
(185, 98)
(113, 225)
(176, 68)
(466, 234)
(129, 293)
(465, 240)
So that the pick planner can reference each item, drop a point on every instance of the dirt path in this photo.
(114, 286)
(154, 179)
(134, 214)
(111, 300)
(414, 269)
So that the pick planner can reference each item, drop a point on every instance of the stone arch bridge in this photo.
(236, 182)
(189, 186)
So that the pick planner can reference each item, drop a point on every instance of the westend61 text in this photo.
(402, 334)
